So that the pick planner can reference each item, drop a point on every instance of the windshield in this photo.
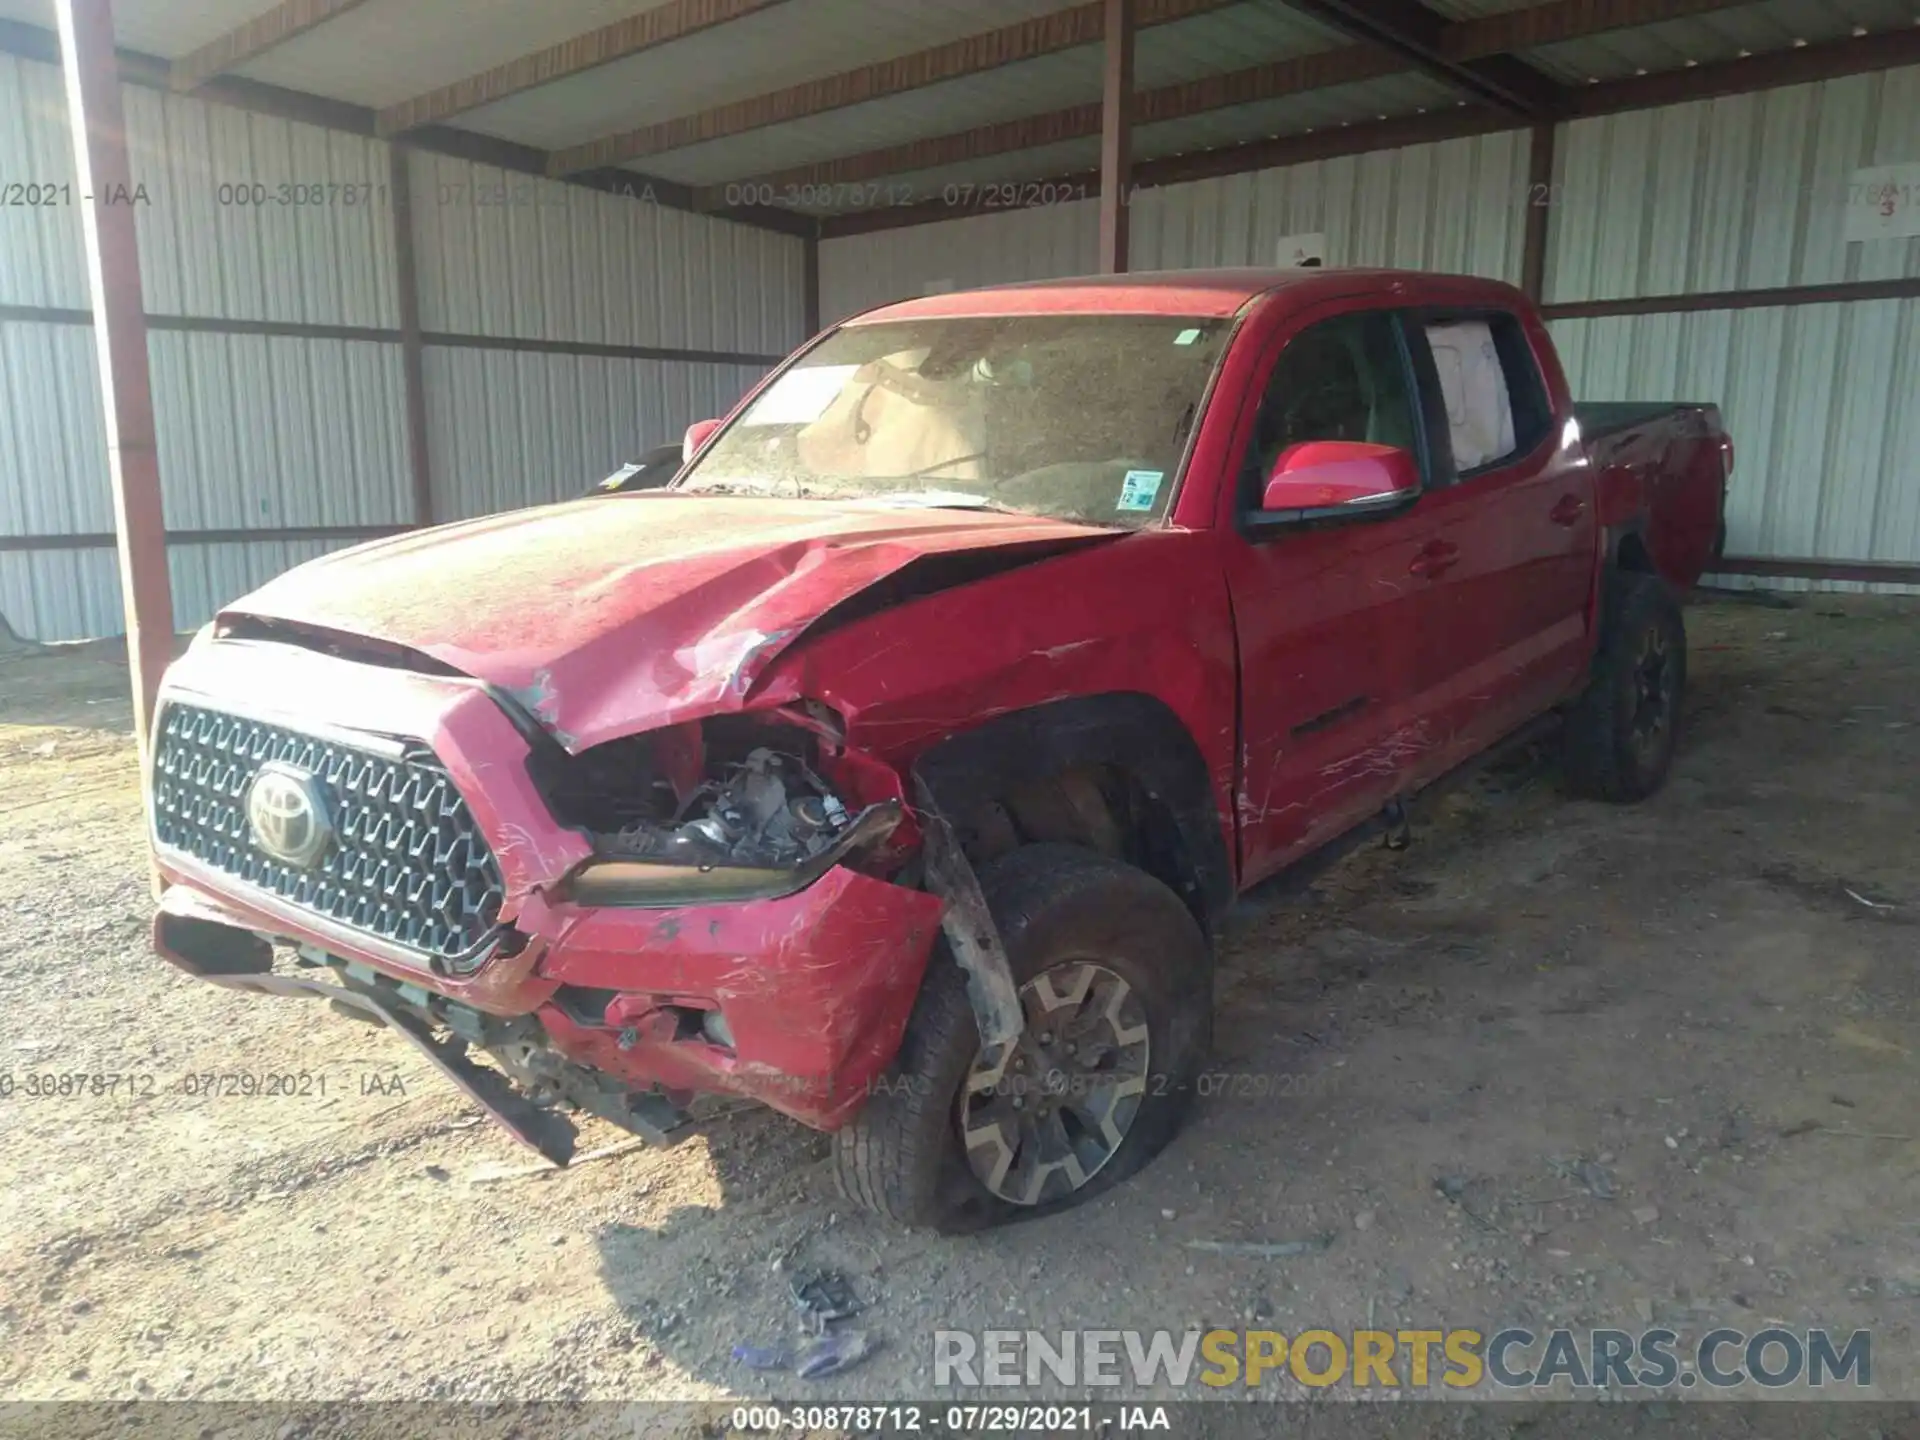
(1076, 417)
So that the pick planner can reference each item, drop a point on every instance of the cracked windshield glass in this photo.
(1074, 417)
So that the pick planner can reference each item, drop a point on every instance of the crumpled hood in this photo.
(607, 615)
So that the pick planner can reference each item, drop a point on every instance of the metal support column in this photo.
(413, 367)
(1533, 250)
(105, 183)
(1116, 137)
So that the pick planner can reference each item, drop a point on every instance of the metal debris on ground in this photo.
(1870, 904)
(1275, 1251)
(823, 1297)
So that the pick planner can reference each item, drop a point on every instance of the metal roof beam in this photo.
(1450, 124)
(1418, 34)
(1043, 35)
(257, 36)
(1116, 135)
(1550, 23)
(1272, 80)
(35, 43)
(1801, 65)
(1562, 20)
(637, 33)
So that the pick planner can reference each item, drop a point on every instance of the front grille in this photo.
(407, 863)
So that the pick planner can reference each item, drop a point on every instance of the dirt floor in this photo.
(1555, 1064)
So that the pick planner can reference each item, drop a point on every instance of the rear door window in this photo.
(1489, 385)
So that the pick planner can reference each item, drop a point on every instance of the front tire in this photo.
(1115, 978)
(1622, 732)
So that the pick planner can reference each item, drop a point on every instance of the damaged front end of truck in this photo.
(738, 901)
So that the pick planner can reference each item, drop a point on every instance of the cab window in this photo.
(1342, 379)
(1489, 386)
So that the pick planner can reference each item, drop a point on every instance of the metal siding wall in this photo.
(513, 255)
(1457, 206)
(507, 429)
(273, 432)
(41, 257)
(205, 577)
(61, 594)
(253, 431)
(53, 449)
(1823, 401)
(56, 595)
(53, 481)
(1731, 194)
(1041, 243)
(254, 218)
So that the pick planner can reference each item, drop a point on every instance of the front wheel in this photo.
(1114, 977)
(1622, 732)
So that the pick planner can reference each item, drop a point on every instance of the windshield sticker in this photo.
(800, 397)
(1139, 490)
(621, 476)
(1186, 337)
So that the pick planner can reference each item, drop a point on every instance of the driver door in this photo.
(1329, 617)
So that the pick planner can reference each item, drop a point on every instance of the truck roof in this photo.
(1200, 293)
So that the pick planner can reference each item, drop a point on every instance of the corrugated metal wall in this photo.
(1741, 193)
(255, 432)
(253, 220)
(1823, 402)
(514, 255)
(517, 257)
(1459, 205)
(508, 429)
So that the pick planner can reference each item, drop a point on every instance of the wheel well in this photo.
(1101, 807)
(1118, 773)
(1632, 554)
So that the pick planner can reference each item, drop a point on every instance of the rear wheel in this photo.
(1621, 734)
(1114, 982)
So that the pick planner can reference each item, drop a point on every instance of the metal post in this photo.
(413, 365)
(105, 183)
(1116, 136)
(1533, 248)
(810, 283)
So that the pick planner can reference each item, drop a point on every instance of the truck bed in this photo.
(1677, 456)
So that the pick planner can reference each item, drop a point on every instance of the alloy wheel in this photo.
(1043, 1114)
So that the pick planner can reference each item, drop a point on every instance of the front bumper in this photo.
(814, 988)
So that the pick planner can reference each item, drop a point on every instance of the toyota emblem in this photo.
(288, 815)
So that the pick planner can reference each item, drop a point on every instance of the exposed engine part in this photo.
(770, 811)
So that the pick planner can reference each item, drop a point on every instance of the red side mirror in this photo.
(1328, 474)
(698, 434)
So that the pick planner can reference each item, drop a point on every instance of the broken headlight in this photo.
(763, 827)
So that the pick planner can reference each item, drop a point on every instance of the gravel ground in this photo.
(1555, 1064)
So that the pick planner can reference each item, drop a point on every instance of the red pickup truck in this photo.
(894, 765)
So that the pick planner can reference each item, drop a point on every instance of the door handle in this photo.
(1568, 511)
(1435, 560)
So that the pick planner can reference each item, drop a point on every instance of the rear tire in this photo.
(1621, 733)
(1097, 929)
